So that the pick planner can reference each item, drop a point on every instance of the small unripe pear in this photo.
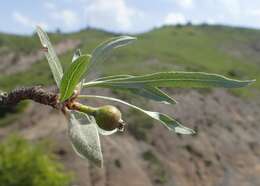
(108, 118)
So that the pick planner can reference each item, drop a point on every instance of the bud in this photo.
(108, 118)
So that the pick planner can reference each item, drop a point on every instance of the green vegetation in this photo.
(25, 164)
(155, 167)
(214, 49)
(27, 78)
(9, 114)
(141, 130)
(22, 44)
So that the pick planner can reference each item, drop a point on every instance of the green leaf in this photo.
(173, 79)
(120, 76)
(51, 56)
(169, 122)
(101, 52)
(147, 92)
(73, 76)
(76, 55)
(153, 93)
(84, 137)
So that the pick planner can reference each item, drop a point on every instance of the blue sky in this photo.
(21, 16)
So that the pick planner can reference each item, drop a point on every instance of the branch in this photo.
(36, 93)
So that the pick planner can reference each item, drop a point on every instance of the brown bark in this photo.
(36, 93)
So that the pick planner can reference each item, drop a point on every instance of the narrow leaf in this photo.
(73, 76)
(147, 92)
(102, 51)
(51, 56)
(84, 137)
(169, 122)
(76, 55)
(153, 93)
(120, 76)
(174, 79)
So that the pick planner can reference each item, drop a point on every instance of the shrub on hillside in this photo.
(24, 164)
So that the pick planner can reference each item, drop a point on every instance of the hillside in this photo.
(224, 152)
(229, 51)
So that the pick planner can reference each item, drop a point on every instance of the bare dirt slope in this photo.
(225, 151)
(11, 63)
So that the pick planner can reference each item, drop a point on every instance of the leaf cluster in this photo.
(83, 130)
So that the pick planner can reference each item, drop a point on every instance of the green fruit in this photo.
(108, 118)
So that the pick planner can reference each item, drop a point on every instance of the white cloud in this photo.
(232, 6)
(27, 21)
(68, 17)
(175, 18)
(185, 3)
(255, 12)
(114, 14)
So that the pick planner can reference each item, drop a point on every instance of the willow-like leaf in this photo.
(120, 76)
(173, 79)
(101, 52)
(84, 137)
(51, 56)
(148, 92)
(169, 122)
(76, 55)
(73, 76)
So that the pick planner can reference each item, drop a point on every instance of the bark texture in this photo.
(36, 93)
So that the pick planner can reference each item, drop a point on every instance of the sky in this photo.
(125, 16)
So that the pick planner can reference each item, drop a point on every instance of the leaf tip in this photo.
(129, 39)
(246, 83)
(252, 81)
(172, 102)
(184, 130)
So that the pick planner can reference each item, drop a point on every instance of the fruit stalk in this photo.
(83, 108)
